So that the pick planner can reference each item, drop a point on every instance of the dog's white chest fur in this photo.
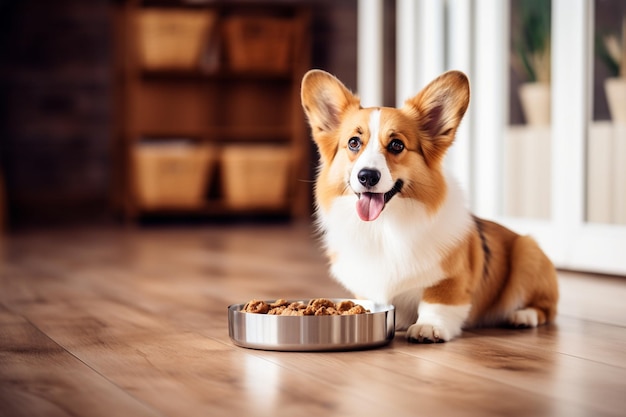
(400, 251)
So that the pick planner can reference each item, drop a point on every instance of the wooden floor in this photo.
(133, 322)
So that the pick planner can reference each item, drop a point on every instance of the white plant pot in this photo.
(615, 89)
(527, 172)
(619, 173)
(599, 173)
(606, 170)
(535, 98)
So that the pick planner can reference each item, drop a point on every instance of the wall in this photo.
(55, 111)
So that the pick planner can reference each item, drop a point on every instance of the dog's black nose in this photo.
(368, 177)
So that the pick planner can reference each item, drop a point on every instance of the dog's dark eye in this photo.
(395, 146)
(354, 144)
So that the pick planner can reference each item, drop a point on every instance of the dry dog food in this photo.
(315, 307)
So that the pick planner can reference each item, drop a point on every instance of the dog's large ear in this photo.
(438, 109)
(325, 99)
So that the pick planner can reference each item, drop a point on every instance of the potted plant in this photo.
(613, 52)
(527, 163)
(607, 142)
(532, 60)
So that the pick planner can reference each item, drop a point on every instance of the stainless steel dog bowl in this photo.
(313, 333)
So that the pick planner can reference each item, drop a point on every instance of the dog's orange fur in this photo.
(519, 274)
(487, 266)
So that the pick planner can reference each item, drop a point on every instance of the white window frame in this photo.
(476, 41)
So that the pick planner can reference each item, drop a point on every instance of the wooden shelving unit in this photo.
(219, 107)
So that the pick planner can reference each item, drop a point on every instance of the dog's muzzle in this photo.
(370, 205)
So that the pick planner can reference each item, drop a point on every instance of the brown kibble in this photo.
(277, 311)
(322, 311)
(327, 311)
(332, 311)
(290, 312)
(345, 305)
(279, 303)
(256, 306)
(357, 309)
(316, 306)
(317, 303)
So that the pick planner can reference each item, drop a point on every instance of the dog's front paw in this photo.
(437, 323)
(427, 333)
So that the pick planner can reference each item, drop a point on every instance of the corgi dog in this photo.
(395, 226)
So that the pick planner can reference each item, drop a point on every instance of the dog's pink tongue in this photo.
(370, 205)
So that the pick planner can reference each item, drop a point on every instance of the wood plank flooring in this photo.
(133, 322)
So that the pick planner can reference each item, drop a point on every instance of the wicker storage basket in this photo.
(172, 174)
(173, 39)
(255, 176)
(258, 43)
